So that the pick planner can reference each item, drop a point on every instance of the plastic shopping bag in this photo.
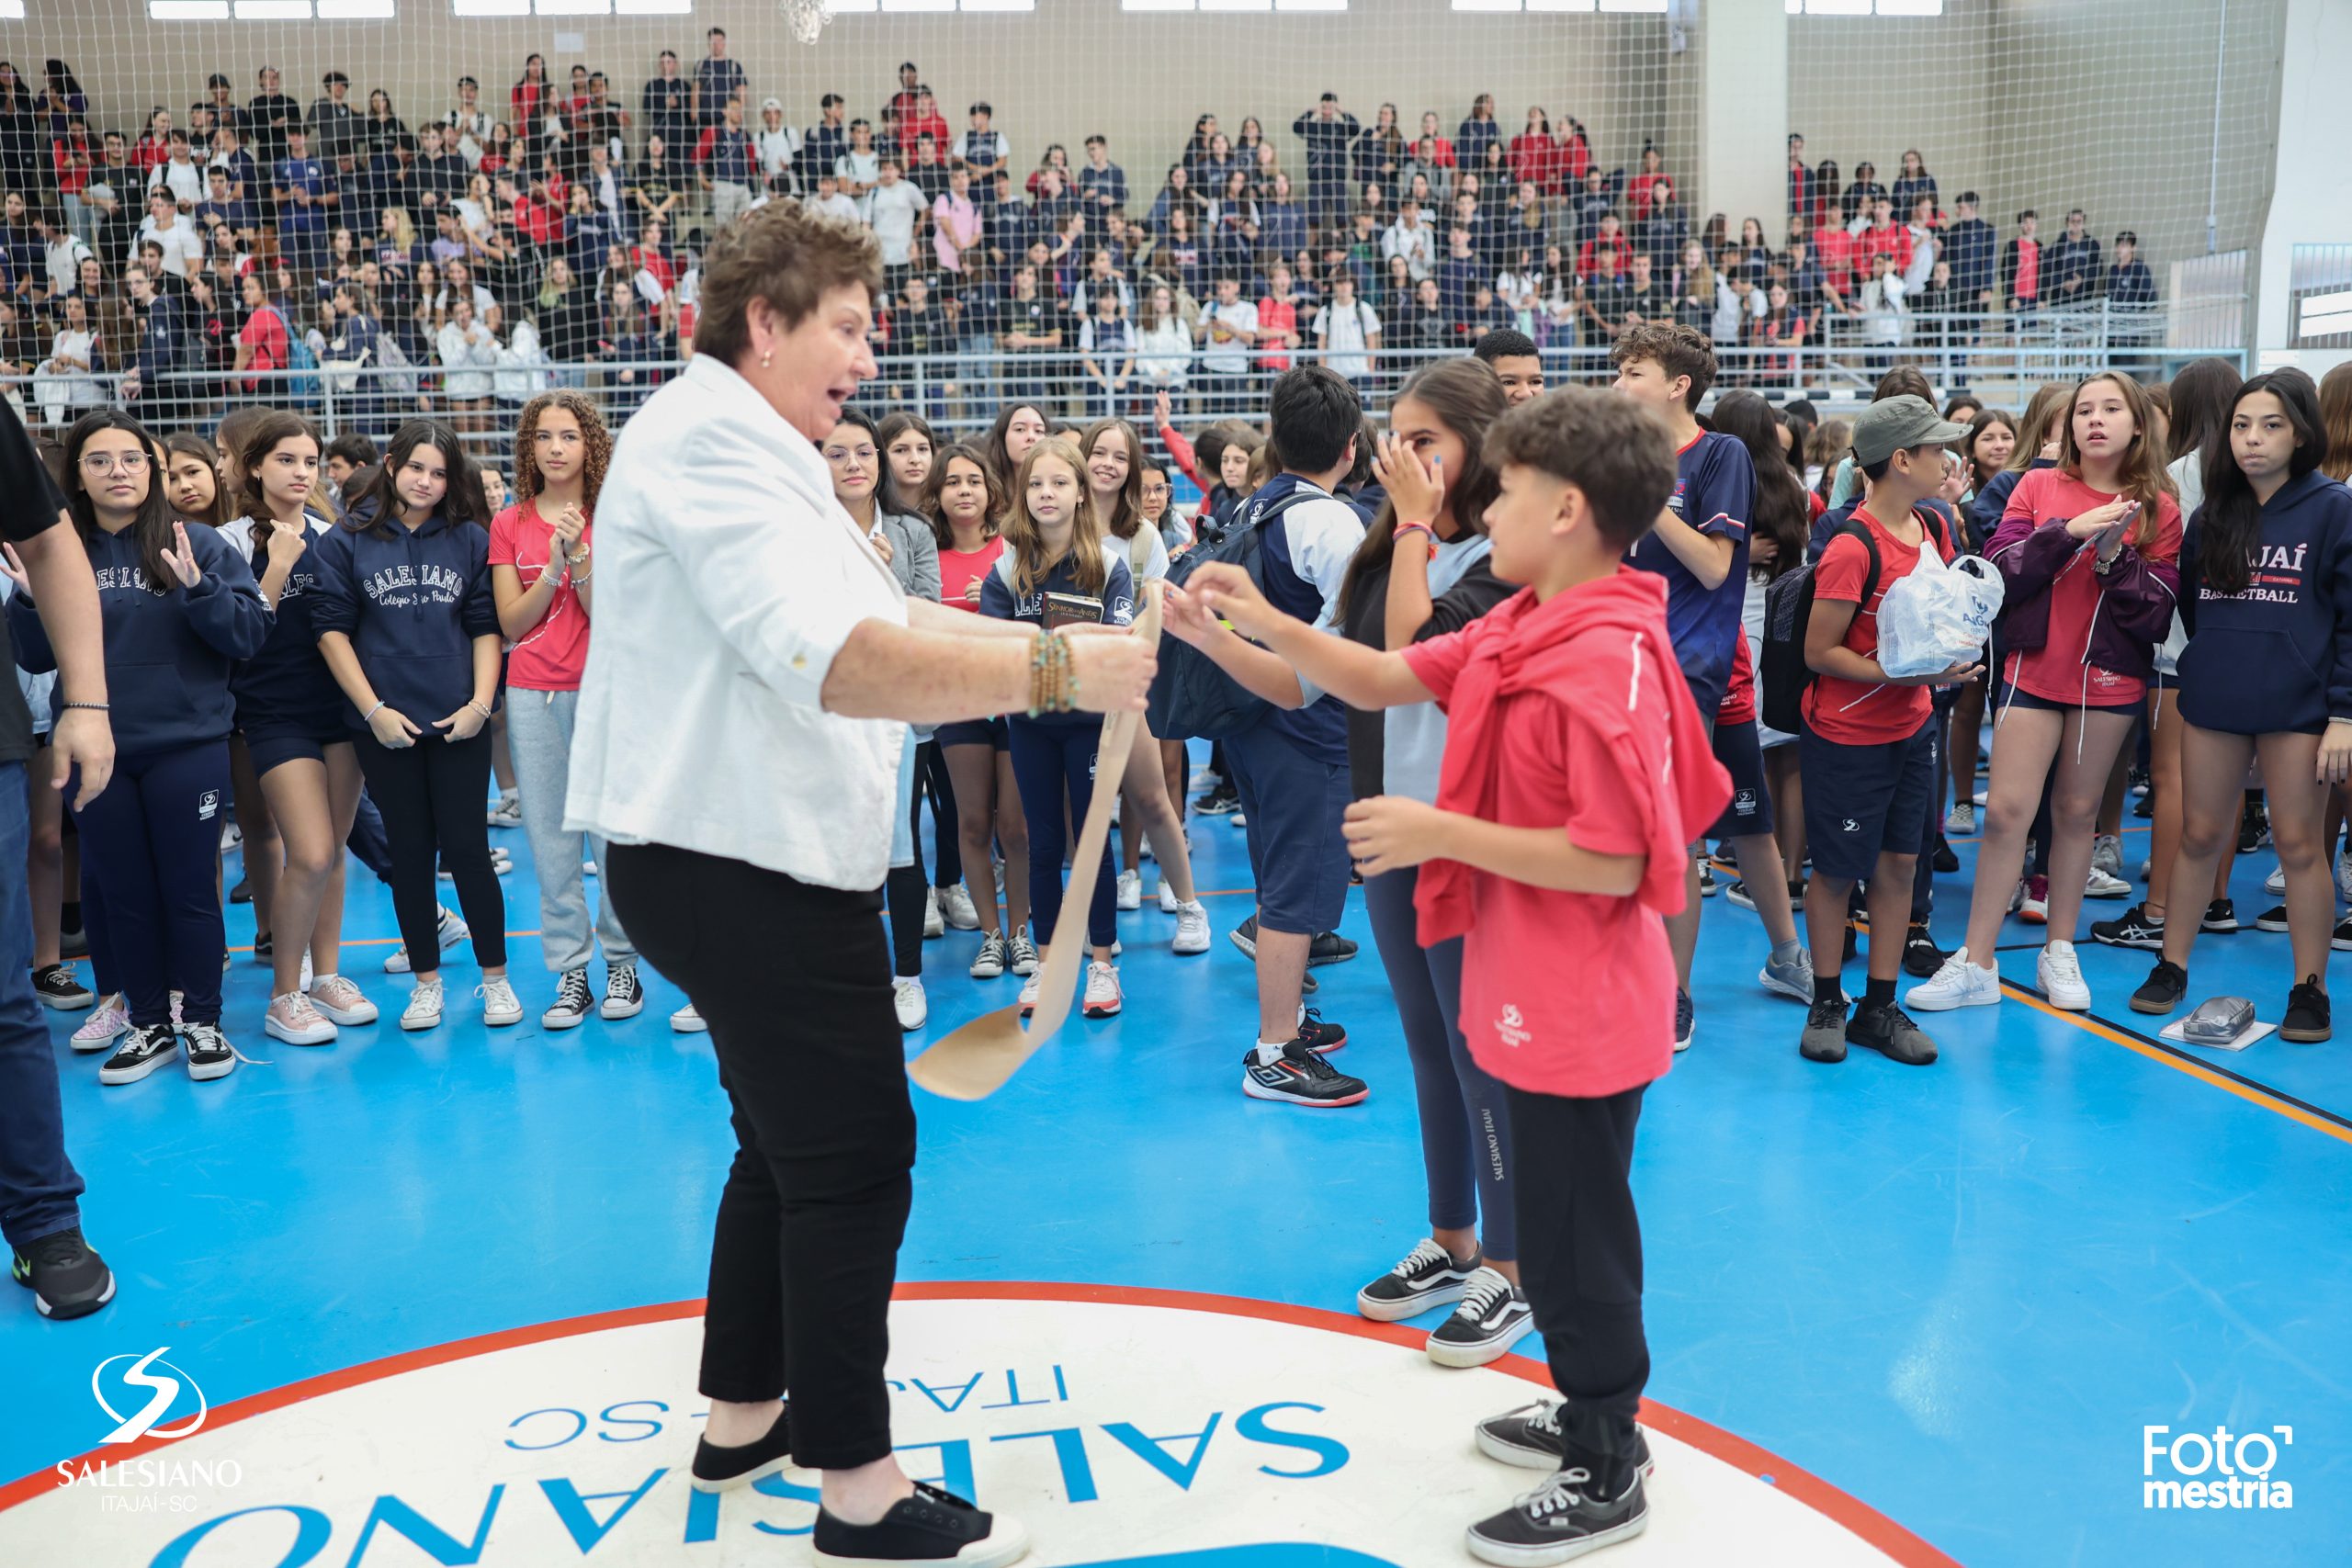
(1937, 616)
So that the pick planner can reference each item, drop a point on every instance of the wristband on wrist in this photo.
(91, 707)
(371, 713)
(1404, 528)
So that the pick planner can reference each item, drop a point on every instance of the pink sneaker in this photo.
(105, 1026)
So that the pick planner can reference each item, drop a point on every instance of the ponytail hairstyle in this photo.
(887, 493)
(2141, 471)
(180, 444)
(1467, 396)
(1090, 566)
(1778, 511)
(595, 436)
(1126, 517)
(2231, 513)
(259, 438)
(152, 525)
(991, 520)
(379, 506)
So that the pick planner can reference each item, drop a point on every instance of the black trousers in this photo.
(1580, 1261)
(806, 1249)
(432, 796)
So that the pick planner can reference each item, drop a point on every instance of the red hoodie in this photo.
(1570, 715)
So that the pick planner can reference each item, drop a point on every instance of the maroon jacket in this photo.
(2135, 603)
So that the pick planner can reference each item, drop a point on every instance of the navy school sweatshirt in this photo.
(999, 597)
(169, 649)
(286, 686)
(2276, 657)
(411, 600)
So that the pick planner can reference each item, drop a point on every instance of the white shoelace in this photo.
(1558, 1494)
(1487, 1289)
(2064, 962)
(1422, 1255)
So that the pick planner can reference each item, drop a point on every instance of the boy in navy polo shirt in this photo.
(1699, 545)
(1867, 753)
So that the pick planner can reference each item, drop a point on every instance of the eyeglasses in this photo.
(110, 462)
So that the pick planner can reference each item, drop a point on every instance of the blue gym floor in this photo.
(1958, 1293)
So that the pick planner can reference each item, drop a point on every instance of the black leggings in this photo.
(932, 781)
(1580, 1261)
(807, 1244)
(433, 796)
(909, 901)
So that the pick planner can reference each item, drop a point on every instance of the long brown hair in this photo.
(151, 526)
(180, 444)
(1089, 564)
(1985, 420)
(2051, 401)
(2204, 395)
(2336, 418)
(2141, 473)
(1468, 398)
(594, 434)
(991, 520)
(992, 448)
(1127, 519)
(377, 509)
(261, 438)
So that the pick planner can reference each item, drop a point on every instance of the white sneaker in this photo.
(1168, 905)
(1130, 890)
(341, 1000)
(1959, 984)
(956, 904)
(685, 1021)
(933, 925)
(914, 1006)
(1960, 818)
(2276, 883)
(451, 932)
(2100, 884)
(424, 1010)
(292, 1018)
(1029, 996)
(2107, 853)
(1192, 927)
(499, 1006)
(508, 812)
(104, 1027)
(2060, 974)
(1103, 998)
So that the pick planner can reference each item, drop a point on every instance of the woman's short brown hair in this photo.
(787, 256)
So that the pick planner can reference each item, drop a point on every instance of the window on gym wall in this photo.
(569, 8)
(844, 7)
(1866, 8)
(251, 10)
(1587, 6)
(1233, 5)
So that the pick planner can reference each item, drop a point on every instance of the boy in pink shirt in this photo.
(1577, 769)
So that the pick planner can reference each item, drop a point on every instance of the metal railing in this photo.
(2001, 359)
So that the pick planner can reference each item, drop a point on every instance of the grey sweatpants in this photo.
(538, 732)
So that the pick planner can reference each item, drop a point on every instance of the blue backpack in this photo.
(1190, 697)
(303, 390)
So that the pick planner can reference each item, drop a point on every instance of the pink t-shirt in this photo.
(1541, 968)
(551, 655)
(2056, 672)
(958, 570)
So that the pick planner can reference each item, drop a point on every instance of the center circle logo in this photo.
(1121, 1426)
(162, 1391)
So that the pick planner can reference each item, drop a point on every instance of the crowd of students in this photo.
(256, 252)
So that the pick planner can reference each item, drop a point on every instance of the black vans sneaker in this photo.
(142, 1050)
(1888, 1030)
(2222, 918)
(1299, 1077)
(2133, 929)
(1529, 1438)
(2162, 990)
(720, 1470)
(1494, 1313)
(55, 985)
(2271, 920)
(2307, 1013)
(66, 1278)
(929, 1527)
(209, 1055)
(1424, 1278)
(1561, 1520)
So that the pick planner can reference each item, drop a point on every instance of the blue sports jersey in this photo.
(1714, 486)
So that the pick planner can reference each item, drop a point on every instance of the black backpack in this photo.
(1782, 676)
(1192, 699)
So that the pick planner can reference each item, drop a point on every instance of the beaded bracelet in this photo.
(1053, 683)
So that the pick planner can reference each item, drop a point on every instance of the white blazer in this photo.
(727, 577)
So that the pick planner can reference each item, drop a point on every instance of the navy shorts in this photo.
(992, 732)
(2019, 698)
(273, 747)
(1293, 805)
(1750, 810)
(1861, 800)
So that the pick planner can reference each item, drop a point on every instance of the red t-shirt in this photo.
(1738, 705)
(551, 656)
(2028, 284)
(1857, 713)
(958, 570)
(1834, 248)
(266, 330)
(1276, 316)
(2055, 670)
(1539, 966)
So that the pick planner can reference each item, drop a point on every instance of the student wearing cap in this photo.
(777, 147)
(1866, 752)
